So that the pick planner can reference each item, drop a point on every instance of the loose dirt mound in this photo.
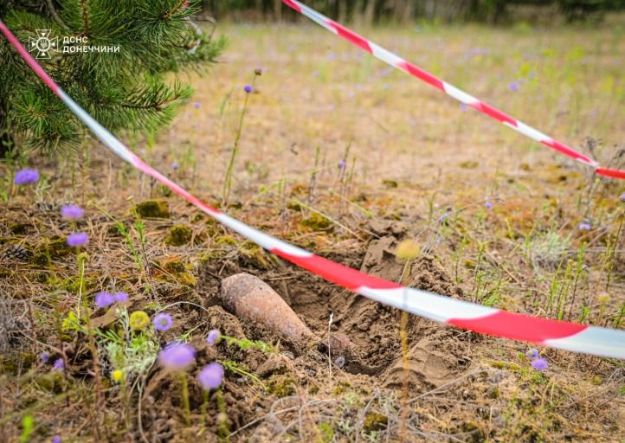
(437, 354)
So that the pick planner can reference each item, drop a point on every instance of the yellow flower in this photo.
(603, 298)
(408, 250)
(138, 320)
(117, 376)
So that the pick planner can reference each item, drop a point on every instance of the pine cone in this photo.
(16, 252)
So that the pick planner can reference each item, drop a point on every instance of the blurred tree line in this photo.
(374, 11)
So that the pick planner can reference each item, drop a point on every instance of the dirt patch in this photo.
(437, 354)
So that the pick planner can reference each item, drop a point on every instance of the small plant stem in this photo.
(204, 408)
(82, 260)
(83, 172)
(619, 317)
(342, 179)
(329, 343)
(578, 272)
(612, 253)
(222, 419)
(235, 150)
(91, 343)
(313, 177)
(403, 336)
(477, 278)
(126, 401)
(184, 386)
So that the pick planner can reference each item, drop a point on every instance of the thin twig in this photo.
(55, 15)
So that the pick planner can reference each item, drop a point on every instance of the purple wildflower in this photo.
(514, 86)
(211, 376)
(120, 297)
(44, 357)
(26, 176)
(622, 197)
(488, 205)
(77, 239)
(72, 212)
(56, 439)
(540, 364)
(162, 322)
(248, 89)
(104, 299)
(342, 164)
(584, 226)
(532, 353)
(177, 356)
(175, 166)
(213, 337)
(196, 105)
(58, 365)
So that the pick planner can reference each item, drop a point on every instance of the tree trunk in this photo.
(408, 12)
(277, 9)
(6, 141)
(342, 11)
(370, 12)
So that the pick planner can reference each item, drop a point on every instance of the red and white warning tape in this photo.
(486, 109)
(482, 319)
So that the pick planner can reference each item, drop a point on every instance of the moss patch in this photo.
(317, 222)
(374, 421)
(179, 235)
(282, 386)
(153, 209)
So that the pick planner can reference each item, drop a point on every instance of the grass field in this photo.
(498, 219)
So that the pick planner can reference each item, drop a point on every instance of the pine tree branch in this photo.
(198, 32)
(85, 17)
(55, 15)
(174, 10)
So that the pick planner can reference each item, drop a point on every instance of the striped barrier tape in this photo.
(403, 65)
(557, 334)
